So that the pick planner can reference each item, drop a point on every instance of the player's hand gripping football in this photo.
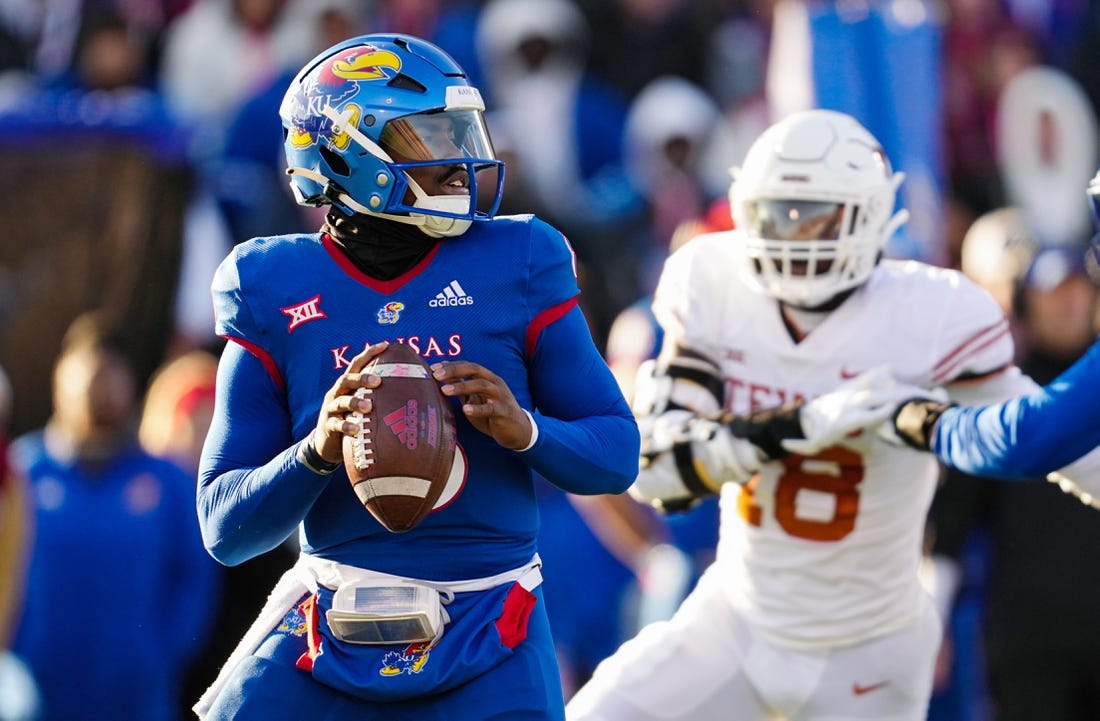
(487, 402)
(332, 421)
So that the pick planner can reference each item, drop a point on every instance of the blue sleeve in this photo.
(252, 492)
(588, 441)
(553, 269)
(1030, 436)
(231, 310)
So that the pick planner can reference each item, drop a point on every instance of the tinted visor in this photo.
(447, 135)
(794, 219)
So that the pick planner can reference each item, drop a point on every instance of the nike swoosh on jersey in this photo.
(860, 690)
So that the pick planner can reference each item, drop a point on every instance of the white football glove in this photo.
(864, 402)
(686, 457)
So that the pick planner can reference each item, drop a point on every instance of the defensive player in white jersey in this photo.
(813, 609)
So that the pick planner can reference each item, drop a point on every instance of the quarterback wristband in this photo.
(312, 460)
(534, 432)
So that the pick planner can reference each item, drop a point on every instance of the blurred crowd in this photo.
(141, 141)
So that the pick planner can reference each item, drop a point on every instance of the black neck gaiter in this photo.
(382, 249)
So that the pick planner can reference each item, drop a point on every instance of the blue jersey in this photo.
(502, 295)
(1030, 436)
(118, 591)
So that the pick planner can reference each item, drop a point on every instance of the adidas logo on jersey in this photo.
(452, 295)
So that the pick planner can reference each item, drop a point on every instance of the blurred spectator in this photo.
(1057, 305)
(533, 53)
(567, 133)
(178, 406)
(119, 587)
(736, 71)
(49, 30)
(14, 527)
(106, 88)
(248, 176)
(220, 52)
(176, 414)
(19, 698)
(107, 56)
(639, 40)
(673, 162)
(996, 251)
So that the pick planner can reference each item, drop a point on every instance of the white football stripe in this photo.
(455, 480)
(400, 370)
(392, 486)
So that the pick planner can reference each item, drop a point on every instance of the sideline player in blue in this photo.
(387, 131)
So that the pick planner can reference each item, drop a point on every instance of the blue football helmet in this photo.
(364, 112)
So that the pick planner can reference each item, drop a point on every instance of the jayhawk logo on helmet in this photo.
(363, 63)
(333, 83)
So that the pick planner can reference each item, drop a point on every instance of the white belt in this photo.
(380, 608)
(315, 572)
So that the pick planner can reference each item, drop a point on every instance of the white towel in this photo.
(282, 598)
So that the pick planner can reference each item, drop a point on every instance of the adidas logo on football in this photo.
(453, 294)
(403, 424)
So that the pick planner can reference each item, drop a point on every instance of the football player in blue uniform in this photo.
(446, 620)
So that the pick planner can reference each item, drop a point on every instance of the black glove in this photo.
(766, 429)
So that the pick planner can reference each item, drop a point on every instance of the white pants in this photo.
(707, 662)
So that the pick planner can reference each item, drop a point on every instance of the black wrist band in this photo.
(915, 420)
(312, 460)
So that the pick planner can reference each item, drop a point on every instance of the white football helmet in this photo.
(813, 204)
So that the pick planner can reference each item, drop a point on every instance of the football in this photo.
(400, 459)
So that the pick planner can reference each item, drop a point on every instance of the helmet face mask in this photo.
(813, 208)
(387, 125)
